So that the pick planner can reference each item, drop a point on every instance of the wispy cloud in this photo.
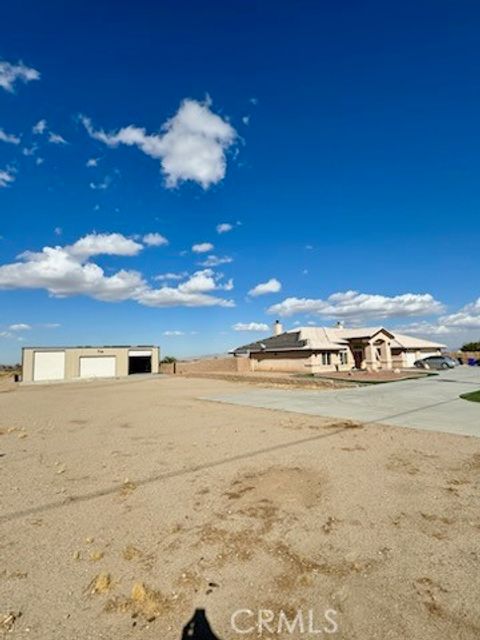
(271, 286)
(102, 185)
(40, 127)
(224, 227)
(250, 326)
(7, 176)
(20, 326)
(202, 247)
(10, 74)
(215, 261)
(9, 138)
(171, 276)
(56, 138)
(192, 146)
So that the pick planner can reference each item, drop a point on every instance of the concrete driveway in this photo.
(432, 404)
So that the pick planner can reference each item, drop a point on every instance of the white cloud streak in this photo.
(224, 227)
(6, 177)
(271, 286)
(202, 247)
(56, 138)
(10, 74)
(40, 127)
(250, 326)
(20, 326)
(215, 261)
(354, 305)
(9, 138)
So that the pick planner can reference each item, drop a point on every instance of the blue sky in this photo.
(339, 143)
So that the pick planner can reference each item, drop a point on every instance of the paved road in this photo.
(432, 404)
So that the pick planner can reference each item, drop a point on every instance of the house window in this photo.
(326, 358)
(343, 357)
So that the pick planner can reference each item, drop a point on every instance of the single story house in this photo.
(318, 349)
(69, 363)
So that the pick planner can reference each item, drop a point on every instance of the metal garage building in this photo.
(69, 363)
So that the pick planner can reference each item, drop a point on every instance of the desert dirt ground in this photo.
(127, 504)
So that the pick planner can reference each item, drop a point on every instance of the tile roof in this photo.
(329, 339)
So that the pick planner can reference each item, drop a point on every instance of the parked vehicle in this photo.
(436, 362)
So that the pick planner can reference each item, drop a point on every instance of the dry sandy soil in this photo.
(125, 505)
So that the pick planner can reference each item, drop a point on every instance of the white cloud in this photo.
(271, 286)
(424, 329)
(40, 128)
(92, 162)
(12, 73)
(6, 334)
(194, 292)
(171, 276)
(355, 305)
(215, 261)
(250, 326)
(101, 186)
(58, 231)
(10, 138)
(468, 317)
(191, 146)
(21, 326)
(6, 177)
(246, 120)
(155, 240)
(174, 333)
(202, 247)
(63, 274)
(52, 325)
(113, 244)
(65, 271)
(224, 227)
(56, 138)
(39, 161)
(30, 151)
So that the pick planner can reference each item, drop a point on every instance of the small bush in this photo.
(471, 346)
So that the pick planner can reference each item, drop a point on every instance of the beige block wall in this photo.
(73, 355)
(297, 361)
(209, 365)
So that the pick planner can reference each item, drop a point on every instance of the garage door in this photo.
(49, 365)
(410, 358)
(98, 367)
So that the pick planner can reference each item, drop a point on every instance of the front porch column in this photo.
(371, 356)
(386, 355)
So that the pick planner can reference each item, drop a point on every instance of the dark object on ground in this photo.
(436, 362)
(198, 627)
(474, 396)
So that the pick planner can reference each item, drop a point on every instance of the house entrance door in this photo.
(358, 357)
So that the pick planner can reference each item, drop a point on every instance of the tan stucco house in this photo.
(43, 364)
(318, 349)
